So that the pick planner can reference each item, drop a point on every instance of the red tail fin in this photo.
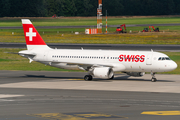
(31, 35)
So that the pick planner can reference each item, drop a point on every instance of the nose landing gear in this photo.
(153, 79)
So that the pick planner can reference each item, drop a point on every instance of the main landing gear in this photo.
(112, 77)
(153, 79)
(88, 77)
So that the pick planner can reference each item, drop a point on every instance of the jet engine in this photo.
(136, 74)
(103, 72)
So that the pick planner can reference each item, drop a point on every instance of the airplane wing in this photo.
(86, 66)
(89, 66)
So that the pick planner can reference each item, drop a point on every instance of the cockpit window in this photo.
(163, 58)
(168, 58)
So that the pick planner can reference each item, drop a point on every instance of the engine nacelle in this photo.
(136, 74)
(102, 72)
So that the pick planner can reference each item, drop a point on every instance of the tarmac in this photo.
(42, 95)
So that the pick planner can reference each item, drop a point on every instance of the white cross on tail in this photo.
(31, 34)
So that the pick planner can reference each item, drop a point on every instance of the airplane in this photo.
(99, 63)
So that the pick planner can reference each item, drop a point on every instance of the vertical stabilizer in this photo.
(33, 38)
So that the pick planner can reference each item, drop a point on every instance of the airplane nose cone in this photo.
(173, 65)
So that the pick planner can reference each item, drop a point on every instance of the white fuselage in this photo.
(118, 60)
(99, 63)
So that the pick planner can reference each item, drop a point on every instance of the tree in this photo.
(40, 8)
(114, 8)
(5, 6)
(177, 7)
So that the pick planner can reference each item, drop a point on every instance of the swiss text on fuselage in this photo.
(131, 58)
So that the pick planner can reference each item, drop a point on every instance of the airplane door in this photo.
(149, 59)
(46, 56)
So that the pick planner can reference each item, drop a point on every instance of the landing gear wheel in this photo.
(88, 77)
(153, 79)
(112, 77)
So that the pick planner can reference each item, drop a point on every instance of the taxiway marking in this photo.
(75, 116)
(161, 112)
(9, 95)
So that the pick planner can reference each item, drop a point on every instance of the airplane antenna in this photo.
(82, 48)
(151, 50)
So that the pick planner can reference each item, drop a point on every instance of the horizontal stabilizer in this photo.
(11, 52)
(27, 53)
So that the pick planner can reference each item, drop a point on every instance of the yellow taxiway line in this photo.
(161, 112)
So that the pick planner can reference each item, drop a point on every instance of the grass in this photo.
(168, 34)
(134, 38)
(3, 60)
(16, 62)
(74, 21)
